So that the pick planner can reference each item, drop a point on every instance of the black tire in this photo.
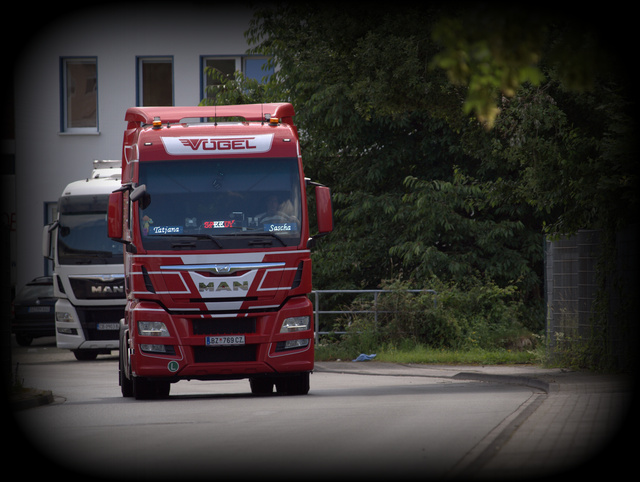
(163, 389)
(261, 386)
(124, 374)
(295, 384)
(144, 389)
(24, 340)
(126, 385)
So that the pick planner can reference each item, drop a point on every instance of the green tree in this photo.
(493, 50)
(235, 90)
(385, 130)
(393, 107)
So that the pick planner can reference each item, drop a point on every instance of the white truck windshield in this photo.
(82, 231)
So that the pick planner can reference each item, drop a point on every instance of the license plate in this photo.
(39, 309)
(108, 326)
(225, 340)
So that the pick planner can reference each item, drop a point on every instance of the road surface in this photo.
(348, 424)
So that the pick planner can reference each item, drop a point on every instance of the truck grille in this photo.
(98, 288)
(90, 317)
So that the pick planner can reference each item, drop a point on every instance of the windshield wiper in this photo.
(260, 234)
(194, 237)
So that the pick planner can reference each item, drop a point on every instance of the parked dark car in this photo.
(34, 311)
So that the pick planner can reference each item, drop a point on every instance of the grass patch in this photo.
(419, 353)
(479, 323)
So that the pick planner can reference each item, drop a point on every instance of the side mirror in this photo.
(140, 194)
(324, 210)
(46, 239)
(114, 216)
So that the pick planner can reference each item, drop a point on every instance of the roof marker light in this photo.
(157, 122)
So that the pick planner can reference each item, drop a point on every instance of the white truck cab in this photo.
(88, 274)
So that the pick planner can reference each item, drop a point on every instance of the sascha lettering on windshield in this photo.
(278, 228)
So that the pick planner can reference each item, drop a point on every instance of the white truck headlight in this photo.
(295, 323)
(64, 316)
(152, 328)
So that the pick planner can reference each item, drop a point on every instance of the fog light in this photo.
(67, 331)
(295, 344)
(291, 344)
(164, 349)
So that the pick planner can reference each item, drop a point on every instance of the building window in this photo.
(250, 66)
(155, 81)
(225, 66)
(79, 95)
(256, 68)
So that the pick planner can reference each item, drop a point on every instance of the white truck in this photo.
(88, 272)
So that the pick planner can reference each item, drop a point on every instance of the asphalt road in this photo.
(349, 424)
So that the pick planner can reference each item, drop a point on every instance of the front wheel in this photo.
(126, 386)
(24, 340)
(261, 386)
(295, 384)
(144, 389)
(124, 375)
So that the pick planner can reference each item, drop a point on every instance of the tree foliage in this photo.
(393, 107)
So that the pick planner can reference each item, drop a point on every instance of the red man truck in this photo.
(213, 215)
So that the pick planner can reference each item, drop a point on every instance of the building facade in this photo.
(75, 79)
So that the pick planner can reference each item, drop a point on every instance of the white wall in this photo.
(47, 160)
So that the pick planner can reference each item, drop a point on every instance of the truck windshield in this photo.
(82, 231)
(221, 203)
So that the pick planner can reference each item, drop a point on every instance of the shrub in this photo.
(478, 315)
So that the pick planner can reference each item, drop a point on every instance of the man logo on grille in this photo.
(106, 290)
(223, 286)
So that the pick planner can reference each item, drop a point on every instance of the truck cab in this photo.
(88, 272)
(212, 212)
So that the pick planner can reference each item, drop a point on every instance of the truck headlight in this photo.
(152, 328)
(64, 316)
(295, 323)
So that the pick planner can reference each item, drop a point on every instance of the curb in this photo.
(528, 380)
(508, 379)
(31, 398)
